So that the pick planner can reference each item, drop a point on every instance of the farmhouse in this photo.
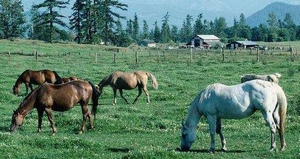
(147, 42)
(242, 44)
(205, 41)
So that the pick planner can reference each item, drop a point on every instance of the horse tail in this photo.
(57, 77)
(154, 81)
(95, 97)
(282, 109)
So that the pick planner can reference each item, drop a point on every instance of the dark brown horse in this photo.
(66, 79)
(29, 77)
(48, 97)
(120, 80)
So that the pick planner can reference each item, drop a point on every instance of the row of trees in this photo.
(99, 21)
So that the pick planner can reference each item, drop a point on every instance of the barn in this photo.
(205, 41)
(242, 44)
(147, 42)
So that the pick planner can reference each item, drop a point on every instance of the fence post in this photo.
(115, 56)
(257, 55)
(223, 55)
(191, 55)
(136, 57)
(96, 57)
(36, 55)
(292, 54)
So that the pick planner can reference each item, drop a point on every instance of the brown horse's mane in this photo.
(24, 104)
(105, 81)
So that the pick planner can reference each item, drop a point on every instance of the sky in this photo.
(155, 10)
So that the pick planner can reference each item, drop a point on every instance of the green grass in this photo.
(142, 130)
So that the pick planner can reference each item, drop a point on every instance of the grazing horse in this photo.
(29, 77)
(219, 101)
(120, 80)
(48, 97)
(272, 77)
(66, 79)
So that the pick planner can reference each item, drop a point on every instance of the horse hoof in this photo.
(211, 151)
(80, 132)
(224, 149)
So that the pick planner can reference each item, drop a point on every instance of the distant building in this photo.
(147, 43)
(242, 44)
(205, 41)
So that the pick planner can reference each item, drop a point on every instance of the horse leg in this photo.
(115, 96)
(26, 86)
(212, 130)
(30, 86)
(270, 122)
(276, 118)
(40, 117)
(219, 131)
(121, 94)
(147, 94)
(85, 113)
(50, 118)
(139, 94)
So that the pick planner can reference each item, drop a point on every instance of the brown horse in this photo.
(66, 79)
(48, 97)
(29, 77)
(120, 80)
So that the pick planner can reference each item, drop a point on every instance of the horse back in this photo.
(63, 97)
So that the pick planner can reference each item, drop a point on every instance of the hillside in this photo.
(280, 9)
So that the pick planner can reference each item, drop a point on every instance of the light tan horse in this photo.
(218, 101)
(51, 97)
(29, 77)
(121, 80)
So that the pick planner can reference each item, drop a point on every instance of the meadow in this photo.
(143, 130)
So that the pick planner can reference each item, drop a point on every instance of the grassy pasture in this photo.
(140, 130)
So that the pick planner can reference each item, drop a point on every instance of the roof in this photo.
(148, 41)
(247, 42)
(208, 37)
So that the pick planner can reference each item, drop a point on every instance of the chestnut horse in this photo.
(120, 80)
(29, 77)
(66, 79)
(48, 97)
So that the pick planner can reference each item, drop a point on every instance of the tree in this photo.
(13, 21)
(174, 34)
(290, 25)
(156, 33)
(219, 27)
(198, 26)
(145, 34)
(186, 31)
(76, 19)
(109, 15)
(165, 29)
(136, 28)
(50, 18)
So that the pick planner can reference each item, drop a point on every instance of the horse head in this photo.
(16, 90)
(188, 136)
(16, 121)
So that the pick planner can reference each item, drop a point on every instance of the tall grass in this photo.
(141, 130)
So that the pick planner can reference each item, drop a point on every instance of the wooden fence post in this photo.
(36, 55)
(115, 56)
(191, 55)
(257, 55)
(136, 57)
(292, 54)
(223, 55)
(96, 57)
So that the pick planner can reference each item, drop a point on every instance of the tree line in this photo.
(100, 21)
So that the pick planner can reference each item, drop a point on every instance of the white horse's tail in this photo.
(153, 79)
(282, 109)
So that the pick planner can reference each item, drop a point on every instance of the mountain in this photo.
(279, 8)
(154, 10)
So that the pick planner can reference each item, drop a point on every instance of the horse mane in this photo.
(104, 82)
(57, 77)
(28, 98)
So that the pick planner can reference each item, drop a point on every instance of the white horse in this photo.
(219, 101)
(272, 77)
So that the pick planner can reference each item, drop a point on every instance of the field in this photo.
(143, 130)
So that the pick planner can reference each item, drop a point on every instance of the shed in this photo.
(147, 43)
(205, 41)
(242, 44)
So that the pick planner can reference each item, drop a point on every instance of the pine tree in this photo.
(165, 29)
(50, 18)
(13, 21)
(76, 19)
(145, 34)
(109, 16)
(136, 28)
